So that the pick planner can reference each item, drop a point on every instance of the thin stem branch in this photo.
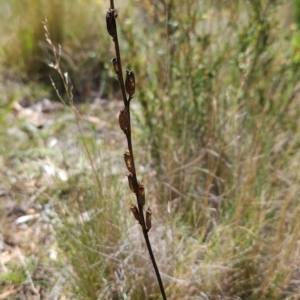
(112, 30)
(112, 4)
(120, 75)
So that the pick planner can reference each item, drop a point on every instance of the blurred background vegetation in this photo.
(217, 127)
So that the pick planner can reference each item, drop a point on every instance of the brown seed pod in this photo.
(141, 197)
(124, 119)
(111, 23)
(130, 83)
(128, 161)
(115, 65)
(135, 212)
(130, 181)
(148, 218)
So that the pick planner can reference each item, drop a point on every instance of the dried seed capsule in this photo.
(148, 218)
(111, 23)
(130, 83)
(130, 181)
(128, 161)
(135, 212)
(141, 197)
(115, 65)
(124, 119)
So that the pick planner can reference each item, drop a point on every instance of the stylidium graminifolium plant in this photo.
(128, 90)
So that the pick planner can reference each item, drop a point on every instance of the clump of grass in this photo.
(218, 93)
(90, 229)
(93, 225)
(222, 131)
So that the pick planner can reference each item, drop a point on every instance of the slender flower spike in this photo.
(124, 119)
(141, 197)
(128, 161)
(130, 181)
(111, 23)
(130, 83)
(135, 212)
(128, 90)
(116, 66)
(148, 218)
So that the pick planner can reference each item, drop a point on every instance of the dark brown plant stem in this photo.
(112, 4)
(120, 75)
(137, 188)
